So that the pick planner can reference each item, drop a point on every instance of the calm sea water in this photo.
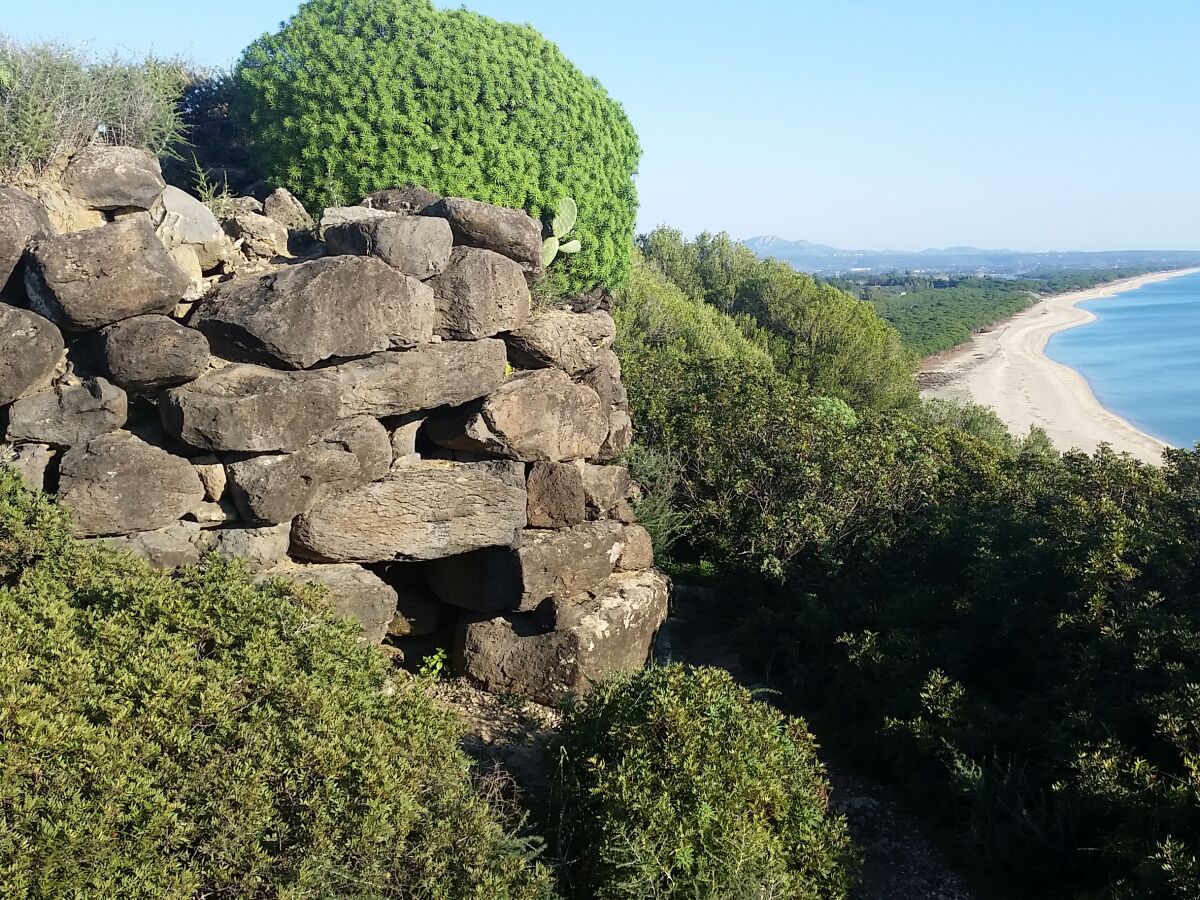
(1142, 357)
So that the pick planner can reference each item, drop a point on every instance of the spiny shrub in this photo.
(55, 100)
(204, 736)
(676, 783)
(352, 96)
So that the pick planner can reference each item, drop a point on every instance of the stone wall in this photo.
(368, 402)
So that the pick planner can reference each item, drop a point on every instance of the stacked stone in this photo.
(384, 414)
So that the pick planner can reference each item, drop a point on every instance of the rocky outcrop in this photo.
(298, 316)
(380, 416)
(89, 279)
(32, 349)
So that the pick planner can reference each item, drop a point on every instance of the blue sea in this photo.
(1142, 356)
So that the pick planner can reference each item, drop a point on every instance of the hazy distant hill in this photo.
(822, 259)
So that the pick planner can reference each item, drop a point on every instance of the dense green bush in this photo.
(201, 735)
(676, 783)
(55, 100)
(352, 96)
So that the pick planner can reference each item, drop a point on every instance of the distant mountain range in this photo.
(822, 259)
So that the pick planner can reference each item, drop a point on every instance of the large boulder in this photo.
(298, 316)
(509, 232)
(556, 495)
(89, 279)
(119, 484)
(546, 564)
(259, 235)
(426, 377)
(552, 339)
(423, 511)
(22, 219)
(276, 488)
(183, 221)
(153, 351)
(334, 216)
(352, 591)
(31, 348)
(408, 200)
(103, 176)
(569, 646)
(480, 294)
(540, 415)
(252, 409)
(69, 414)
(415, 245)
(282, 206)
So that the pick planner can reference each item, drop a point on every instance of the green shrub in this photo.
(201, 735)
(675, 783)
(55, 100)
(352, 96)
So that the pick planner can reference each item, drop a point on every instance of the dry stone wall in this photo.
(369, 402)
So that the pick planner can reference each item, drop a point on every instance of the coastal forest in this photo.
(1005, 634)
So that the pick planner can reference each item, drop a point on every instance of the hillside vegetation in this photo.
(1008, 632)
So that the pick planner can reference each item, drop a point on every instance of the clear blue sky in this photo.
(1030, 124)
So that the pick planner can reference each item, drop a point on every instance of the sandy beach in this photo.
(1007, 369)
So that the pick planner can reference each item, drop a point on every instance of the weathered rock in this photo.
(252, 409)
(545, 565)
(22, 219)
(352, 591)
(407, 200)
(334, 216)
(427, 510)
(189, 264)
(298, 316)
(259, 235)
(273, 489)
(604, 487)
(32, 461)
(167, 548)
(284, 208)
(540, 415)
(597, 327)
(620, 435)
(568, 648)
(31, 348)
(104, 176)
(260, 548)
(118, 484)
(213, 515)
(236, 205)
(416, 245)
(69, 414)
(605, 379)
(153, 351)
(556, 495)
(510, 232)
(552, 339)
(480, 294)
(212, 476)
(183, 221)
(404, 438)
(89, 279)
(426, 377)
(638, 552)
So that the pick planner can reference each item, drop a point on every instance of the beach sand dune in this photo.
(1007, 369)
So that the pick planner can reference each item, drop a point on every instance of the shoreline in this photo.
(1007, 369)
